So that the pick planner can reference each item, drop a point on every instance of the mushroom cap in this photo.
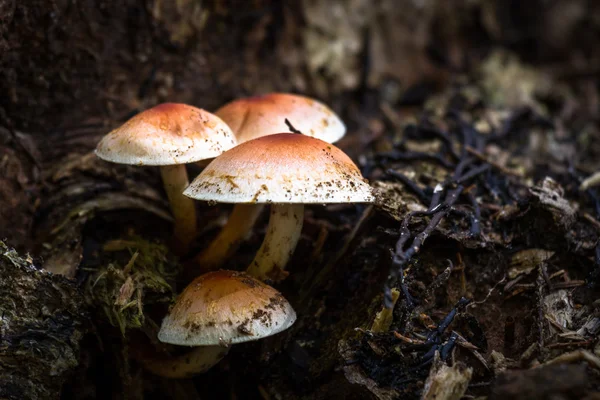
(226, 307)
(168, 134)
(253, 117)
(282, 168)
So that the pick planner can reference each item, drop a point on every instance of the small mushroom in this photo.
(216, 310)
(170, 135)
(289, 171)
(254, 117)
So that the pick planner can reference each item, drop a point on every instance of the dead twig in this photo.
(494, 164)
(408, 340)
(590, 181)
(575, 356)
(291, 127)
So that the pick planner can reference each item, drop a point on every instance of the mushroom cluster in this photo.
(254, 117)
(274, 149)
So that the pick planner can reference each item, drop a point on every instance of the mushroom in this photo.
(170, 135)
(253, 117)
(289, 171)
(216, 310)
(257, 116)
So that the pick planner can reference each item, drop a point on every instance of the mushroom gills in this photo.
(283, 233)
(194, 362)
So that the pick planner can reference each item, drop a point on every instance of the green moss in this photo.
(11, 255)
(137, 273)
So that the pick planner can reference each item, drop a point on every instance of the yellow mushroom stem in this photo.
(196, 361)
(240, 222)
(175, 180)
(283, 233)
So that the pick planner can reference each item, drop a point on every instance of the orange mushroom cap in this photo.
(282, 168)
(257, 116)
(168, 134)
(226, 307)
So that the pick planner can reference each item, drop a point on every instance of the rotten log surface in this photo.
(41, 326)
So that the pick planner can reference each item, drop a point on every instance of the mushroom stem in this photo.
(242, 219)
(197, 361)
(175, 180)
(283, 232)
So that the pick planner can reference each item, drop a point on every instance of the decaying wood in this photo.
(42, 321)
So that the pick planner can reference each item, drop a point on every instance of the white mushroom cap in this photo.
(168, 134)
(282, 168)
(226, 307)
(253, 117)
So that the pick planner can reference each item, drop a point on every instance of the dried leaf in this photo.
(395, 200)
(559, 307)
(523, 262)
(125, 292)
(446, 383)
(551, 197)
